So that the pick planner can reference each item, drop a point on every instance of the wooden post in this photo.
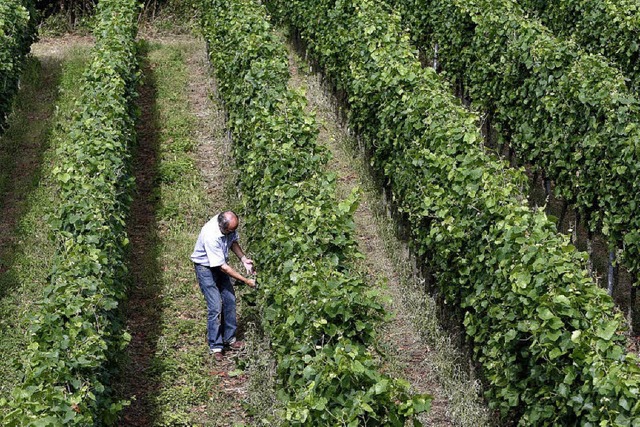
(611, 275)
(547, 189)
(563, 213)
(634, 313)
(590, 252)
(574, 231)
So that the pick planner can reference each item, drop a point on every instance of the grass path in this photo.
(419, 350)
(183, 171)
(26, 192)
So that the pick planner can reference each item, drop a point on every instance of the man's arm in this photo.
(227, 269)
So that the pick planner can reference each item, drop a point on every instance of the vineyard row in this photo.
(564, 111)
(548, 339)
(17, 32)
(607, 27)
(76, 329)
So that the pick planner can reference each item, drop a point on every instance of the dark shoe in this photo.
(235, 346)
(216, 354)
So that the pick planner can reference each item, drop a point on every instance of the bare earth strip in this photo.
(142, 310)
(420, 351)
(249, 377)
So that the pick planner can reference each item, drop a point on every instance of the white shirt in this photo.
(212, 247)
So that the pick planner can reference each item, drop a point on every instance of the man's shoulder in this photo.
(211, 228)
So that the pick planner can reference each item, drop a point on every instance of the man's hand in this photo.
(251, 283)
(248, 265)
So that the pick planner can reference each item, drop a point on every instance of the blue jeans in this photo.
(221, 305)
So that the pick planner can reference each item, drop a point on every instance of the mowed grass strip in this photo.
(28, 194)
(170, 374)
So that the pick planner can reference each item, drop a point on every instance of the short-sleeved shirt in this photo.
(212, 247)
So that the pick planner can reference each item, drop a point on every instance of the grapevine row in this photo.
(320, 314)
(547, 338)
(17, 32)
(76, 330)
(610, 28)
(564, 111)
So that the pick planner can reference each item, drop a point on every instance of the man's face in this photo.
(228, 230)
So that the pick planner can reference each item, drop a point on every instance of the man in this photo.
(210, 257)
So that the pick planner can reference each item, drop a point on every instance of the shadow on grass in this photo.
(22, 149)
(26, 252)
(142, 310)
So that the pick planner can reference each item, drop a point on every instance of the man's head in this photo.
(228, 222)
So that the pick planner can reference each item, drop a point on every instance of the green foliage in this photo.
(173, 16)
(320, 314)
(548, 339)
(606, 27)
(76, 330)
(17, 32)
(566, 112)
(30, 258)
